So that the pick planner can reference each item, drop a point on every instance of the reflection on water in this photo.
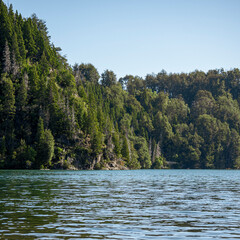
(142, 204)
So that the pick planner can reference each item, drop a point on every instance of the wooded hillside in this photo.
(56, 116)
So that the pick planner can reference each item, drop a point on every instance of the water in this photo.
(142, 204)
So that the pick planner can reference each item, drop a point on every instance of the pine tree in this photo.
(21, 44)
(96, 142)
(5, 27)
(7, 112)
(117, 147)
(40, 130)
(29, 39)
(15, 48)
(44, 66)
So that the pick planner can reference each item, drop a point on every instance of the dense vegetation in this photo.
(53, 115)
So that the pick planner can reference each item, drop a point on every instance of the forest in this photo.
(57, 116)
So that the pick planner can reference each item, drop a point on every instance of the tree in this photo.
(40, 130)
(25, 156)
(15, 48)
(125, 149)
(5, 27)
(45, 149)
(203, 103)
(140, 144)
(7, 110)
(85, 73)
(21, 44)
(108, 78)
(163, 129)
(233, 160)
(96, 142)
(117, 147)
(135, 85)
(177, 111)
(30, 44)
(159, 163)
(21, 98)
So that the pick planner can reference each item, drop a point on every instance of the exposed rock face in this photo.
(116, 165)
(84, 161)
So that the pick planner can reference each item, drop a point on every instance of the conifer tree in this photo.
(40, 130)
(29, 39)
(108, 78)
(45, 146)
(7, 112)
(21, 44)
(15, 48)
(5, 27)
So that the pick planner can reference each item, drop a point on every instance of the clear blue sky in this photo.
(142, 36)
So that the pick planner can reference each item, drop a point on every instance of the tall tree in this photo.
(108, 78)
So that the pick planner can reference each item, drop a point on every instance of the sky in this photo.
(141, 37)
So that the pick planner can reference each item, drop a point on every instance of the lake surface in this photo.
(141, 204)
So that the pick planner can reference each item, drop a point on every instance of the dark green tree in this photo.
(108, 78)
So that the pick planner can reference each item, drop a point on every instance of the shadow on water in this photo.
(25, 204)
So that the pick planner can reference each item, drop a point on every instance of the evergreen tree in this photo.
(187, 120)
(108, 78)
(45, 146)
(21, 44)
(15, 48)
(29, 39)
(7, 112)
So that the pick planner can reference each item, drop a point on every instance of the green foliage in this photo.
(140, 144)
(117, 147)
(25, 156)
(108, 78)
(7, 98)
(44, 145)
(181, 120)
(133, 162)
(159, 163)
(125, 149)
(96, 142)
(45, 149)
(85, 73)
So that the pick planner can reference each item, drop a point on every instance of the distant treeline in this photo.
(56, 116)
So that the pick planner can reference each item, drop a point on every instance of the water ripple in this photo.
(143, 204)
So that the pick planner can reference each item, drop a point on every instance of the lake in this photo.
(139, 204)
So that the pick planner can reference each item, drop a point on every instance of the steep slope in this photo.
(56, 116)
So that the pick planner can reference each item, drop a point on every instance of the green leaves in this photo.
(183, 120)
(44, 146)
(108, 78)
